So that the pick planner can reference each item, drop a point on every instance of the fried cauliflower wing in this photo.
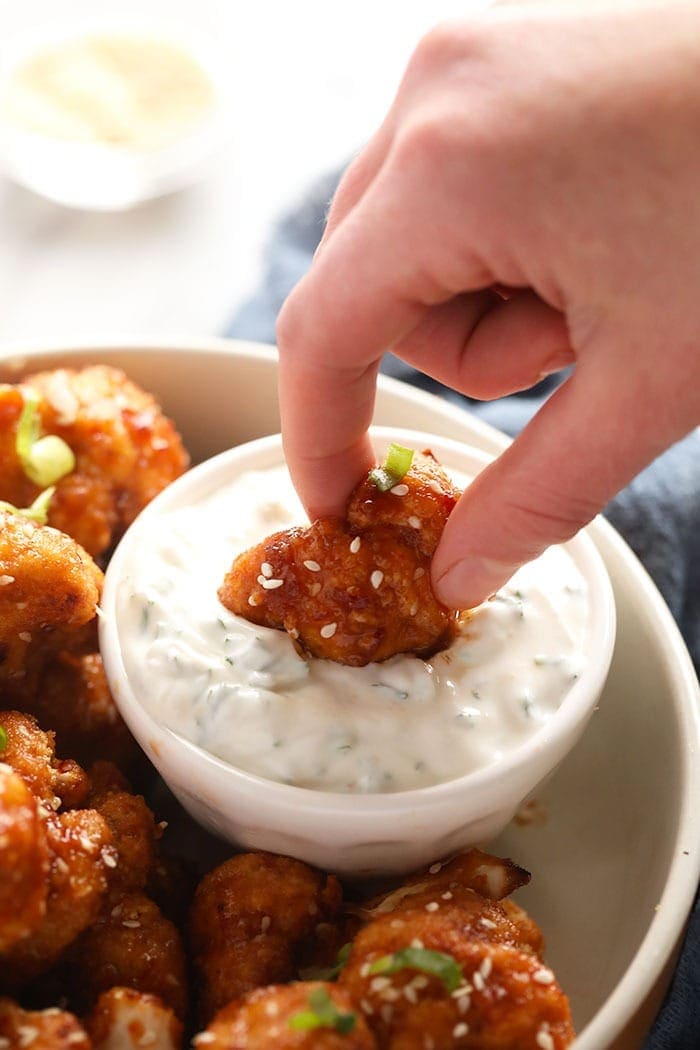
(31, 753)
(490, 996)
(134, 832)
(251, 921)
(124, 1019)
(72, 698)
(80, 855)
(354, 590)
(24, 860)
(50, 1029)
(126, 450)
(49, 590)
(131, 945)
(265, 1020)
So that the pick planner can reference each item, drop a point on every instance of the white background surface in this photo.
(312, 81)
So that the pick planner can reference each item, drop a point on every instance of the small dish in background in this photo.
(104, 114)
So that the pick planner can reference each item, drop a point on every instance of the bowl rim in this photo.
(643, 981)
(573, 711)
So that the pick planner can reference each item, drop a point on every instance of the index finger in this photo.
(376, 278)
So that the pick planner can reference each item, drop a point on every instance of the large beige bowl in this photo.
(614, 845)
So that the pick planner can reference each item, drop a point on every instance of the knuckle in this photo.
(290, 327)
(447, 43)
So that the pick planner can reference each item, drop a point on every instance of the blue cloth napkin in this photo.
(658, 515)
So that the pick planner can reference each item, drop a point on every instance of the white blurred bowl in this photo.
(614, 843)
(99, 176)
(354, 835)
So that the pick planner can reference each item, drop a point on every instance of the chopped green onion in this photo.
(3, 740)
(396, 465)
(438, 964)
(322, 1013)
(398, 460)
(328, 973)
(39, 510)
(44, 460)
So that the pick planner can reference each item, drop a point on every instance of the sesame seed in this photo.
(460, 1029)
(397, 924)
(131, 924)
(464, 989)
(116, 911)
(420, 571)
(378, 984)
(314, 589)
(271, 585)
(366, 1007)
(364, 969)
(421, 981)
(399, 490)
(487, 924)
(390, 995)
(446, 896)
(266, 569)
(265, 923)
(312, 566)
(253, 599)
(543, 976)
(6, 580)
(87, 843)
(27, 1034)
(478, 981)
(272, 1009)
(328, 630)
(261, 578)
(376, 578)
(433, 906)
(410, 993)
(544, 1039)
(417, 943)
(293, 633)
(463, 1004)
(413, 610)
(204, 1037)
(414, 522)
(486, 967)
(355, 545)
(435, 868)
(109, 860)
(25, 636)
(386, 1013)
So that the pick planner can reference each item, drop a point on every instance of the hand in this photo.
(554, 153)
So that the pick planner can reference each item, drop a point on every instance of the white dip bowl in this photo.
(353, 834)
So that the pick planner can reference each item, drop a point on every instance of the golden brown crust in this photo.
(250, 922)
(134, 835)
(126, 450)
(30, 752)
(506, 997)
(358, 590)
(49, 590)
(261, 1021)
(24, 861)
(81, 854)
(73, 699)
(124, 1019)
(134, 946)
(50, 1029)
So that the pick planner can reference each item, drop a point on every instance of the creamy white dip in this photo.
(242, 693)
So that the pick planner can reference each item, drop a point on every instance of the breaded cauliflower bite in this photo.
(49, 590)
(73, 699)
(252, 921)
(134, 946)
(422, 974)
(24, 860)
(50, 1029)
(124, 1019)
(125, 449)
(355, 590)
(302, 1016)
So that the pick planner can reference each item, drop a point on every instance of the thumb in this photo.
(588, 441)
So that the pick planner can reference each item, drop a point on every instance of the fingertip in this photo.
(470, 581)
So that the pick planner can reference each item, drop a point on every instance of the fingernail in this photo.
(470, 581)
